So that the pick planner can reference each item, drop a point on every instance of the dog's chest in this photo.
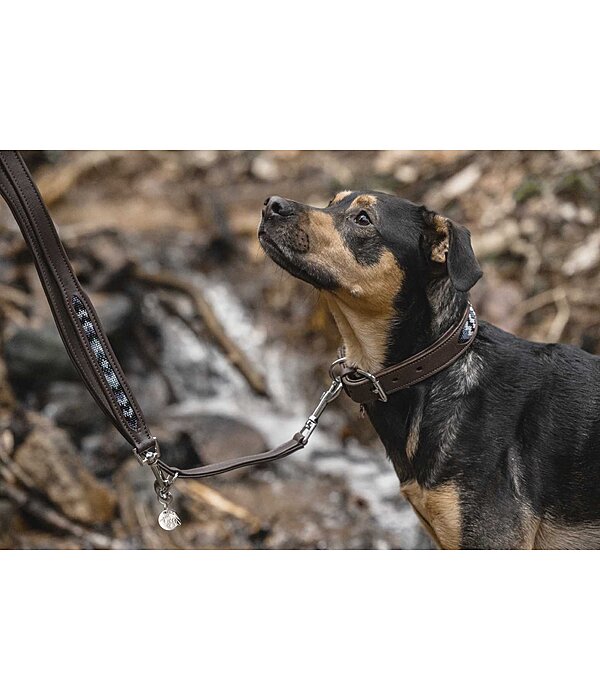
(439, 510)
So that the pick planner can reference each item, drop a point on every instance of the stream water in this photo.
(206, 383)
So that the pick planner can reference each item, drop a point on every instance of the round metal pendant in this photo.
(169, 519)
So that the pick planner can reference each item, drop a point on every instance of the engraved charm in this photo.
(169, 519)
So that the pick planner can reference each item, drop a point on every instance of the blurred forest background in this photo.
(227, 354)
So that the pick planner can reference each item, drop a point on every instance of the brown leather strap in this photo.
(284, 450)
(446, 350)
(82, 332)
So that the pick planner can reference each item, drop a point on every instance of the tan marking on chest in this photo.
(414, 433)
(553, 535)
(439, 509)
(365, 337)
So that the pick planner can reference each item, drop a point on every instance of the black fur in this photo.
(513, 425)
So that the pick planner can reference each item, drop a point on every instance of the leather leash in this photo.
(91, 353)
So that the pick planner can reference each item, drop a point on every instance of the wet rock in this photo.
(104, 452)
(37, 356)
(217, 437)
(50, 464)
(115, 311)
(71, 406)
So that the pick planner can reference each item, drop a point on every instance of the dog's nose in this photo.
(278, 207)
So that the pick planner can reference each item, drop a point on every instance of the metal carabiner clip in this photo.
(326, 398)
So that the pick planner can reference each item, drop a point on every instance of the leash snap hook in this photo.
(168, 518)
(326, 398)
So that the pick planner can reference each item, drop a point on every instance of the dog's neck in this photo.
(364, 335)
(418, 317)
(415, 453)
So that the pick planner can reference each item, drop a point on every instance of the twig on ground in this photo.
(38, 509)
(536, 302)
(200, 493)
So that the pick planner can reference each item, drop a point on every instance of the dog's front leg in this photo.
(459, 519)
(438, 510)
(502, 523)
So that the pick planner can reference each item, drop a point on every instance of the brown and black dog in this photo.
(501, 449)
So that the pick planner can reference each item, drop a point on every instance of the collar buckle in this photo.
(377, 388)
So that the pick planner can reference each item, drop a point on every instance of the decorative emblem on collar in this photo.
(470, 326)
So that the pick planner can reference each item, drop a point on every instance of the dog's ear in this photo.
(448, 244)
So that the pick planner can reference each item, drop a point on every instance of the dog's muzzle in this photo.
(280, 225)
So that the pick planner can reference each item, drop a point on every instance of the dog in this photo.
(501, 450)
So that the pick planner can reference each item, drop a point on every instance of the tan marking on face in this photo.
(364, 200)
(340, 195)
(439, 508)
(363, 306)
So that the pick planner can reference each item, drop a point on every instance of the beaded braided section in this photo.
(95, 344)
(469, 328)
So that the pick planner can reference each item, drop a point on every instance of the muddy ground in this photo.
(166, 244)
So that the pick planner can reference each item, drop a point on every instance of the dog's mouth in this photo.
(277, 253)
(296, 264)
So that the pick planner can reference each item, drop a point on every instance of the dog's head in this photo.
(369, 252)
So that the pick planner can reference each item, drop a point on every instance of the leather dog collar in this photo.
(364, 387)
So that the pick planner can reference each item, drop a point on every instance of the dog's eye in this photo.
(362, 218)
